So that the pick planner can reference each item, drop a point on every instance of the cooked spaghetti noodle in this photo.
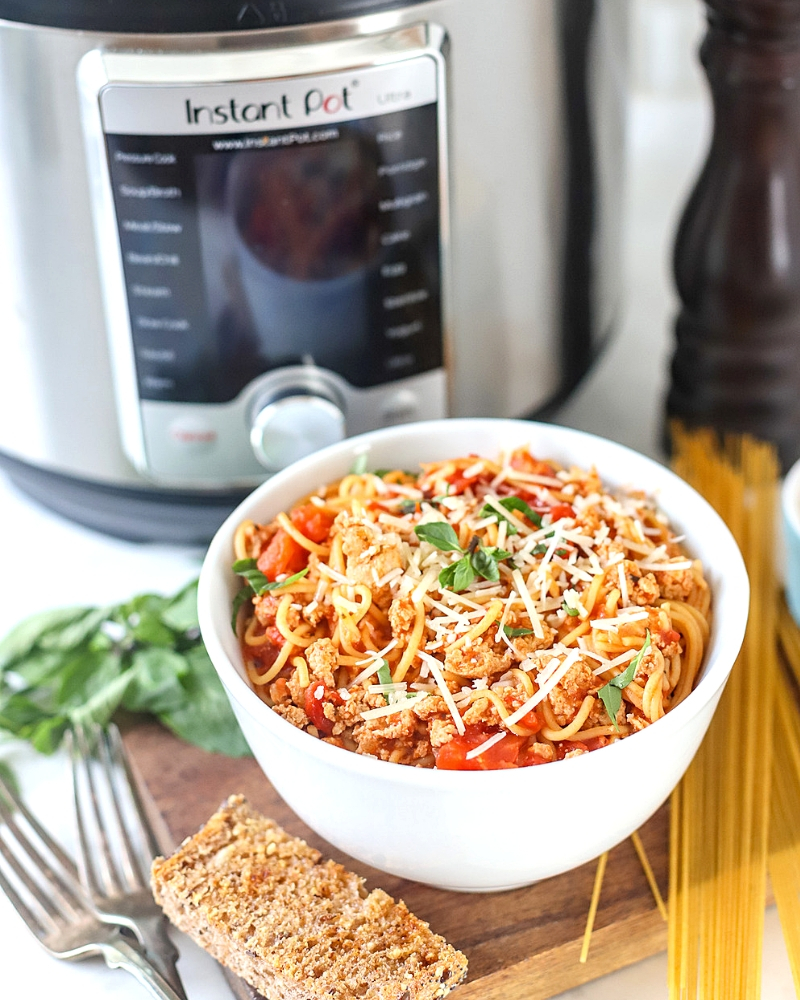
(478, 615)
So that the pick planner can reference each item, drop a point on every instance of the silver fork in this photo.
(117, 844)
(41, 882)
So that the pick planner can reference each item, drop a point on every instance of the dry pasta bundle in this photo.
(720, 811)
(478, 614)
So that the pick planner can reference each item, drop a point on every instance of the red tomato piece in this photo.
(317, 694)
(525, 462)
(529, 758)
(669, 635)
(531, 720)
(567, 745)
(283, 555)
(453, 755)
(561, 510)
(265, 654)
(312, 521)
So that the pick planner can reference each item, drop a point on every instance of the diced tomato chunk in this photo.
(264, 655)
(525, 462)
(560, 510)
(530, 758)
(567, 745)
(531, 721)
(317, 694)
(503, 754)
(283, 555)
(669, 635)
(312, 521)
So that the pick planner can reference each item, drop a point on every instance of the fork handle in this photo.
(122, 955)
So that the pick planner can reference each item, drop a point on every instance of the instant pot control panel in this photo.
(272, 246)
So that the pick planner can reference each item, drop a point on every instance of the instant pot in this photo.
(232, 233)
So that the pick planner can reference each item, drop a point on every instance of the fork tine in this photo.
(101, 880)
(120, 757)
(52, 846)
(63, 898)
(34, 923)
(109, 744)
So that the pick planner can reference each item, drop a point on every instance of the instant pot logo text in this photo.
(315, 103)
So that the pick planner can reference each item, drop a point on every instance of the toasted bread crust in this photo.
(296, 927)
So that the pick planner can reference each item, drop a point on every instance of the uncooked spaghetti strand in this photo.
(598, 885)
(721, 809)
(647, 868)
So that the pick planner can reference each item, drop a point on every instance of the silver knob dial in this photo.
(293, 426)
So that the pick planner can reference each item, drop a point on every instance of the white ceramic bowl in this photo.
(480, 830)
(790, 524)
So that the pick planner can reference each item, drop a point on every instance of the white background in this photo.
(45, 561)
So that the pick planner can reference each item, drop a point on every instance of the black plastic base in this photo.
(180, 16)
(139, 515)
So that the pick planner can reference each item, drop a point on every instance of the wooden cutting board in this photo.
(522, 945)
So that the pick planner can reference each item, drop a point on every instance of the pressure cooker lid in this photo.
(183, 16)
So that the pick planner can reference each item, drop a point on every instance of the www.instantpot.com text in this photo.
(281, 139)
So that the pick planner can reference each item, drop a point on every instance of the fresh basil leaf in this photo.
(248, 569)
(488, 510)
(260, 583)
(206, 718)
(484, 564)
(384, 673)
(572, 612)
(180, 613)
(244, 595)
(277, 584)
(71, 635)
(384, 677)
(517, 503)
(457, 576)
(100, 707)
(611, 693)
(623, 680)
(440, 534)
(38, 667)
(85, 675)
(513, 633)
(8, 777)
(360, 464)
(47, 735)
(26, 636)
(155, 681)
(84, 664)
(149, 629)
(540, 549)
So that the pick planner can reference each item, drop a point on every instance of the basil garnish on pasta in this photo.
(611, 693)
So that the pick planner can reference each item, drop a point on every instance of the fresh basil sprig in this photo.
(477, 561)
(82, 665)
(513, 503)
(257, 584)
(514, 633)
(385, 677)
(440, 534)
(611, 693)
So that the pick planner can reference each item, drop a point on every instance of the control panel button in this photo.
(294, 426)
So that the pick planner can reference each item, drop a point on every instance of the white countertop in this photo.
(48, 562)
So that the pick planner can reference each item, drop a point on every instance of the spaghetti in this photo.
(720, 811)
(480, 614)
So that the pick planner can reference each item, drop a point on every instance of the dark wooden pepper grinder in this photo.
(736, 365)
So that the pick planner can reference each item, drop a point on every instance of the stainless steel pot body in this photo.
(530, 121)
